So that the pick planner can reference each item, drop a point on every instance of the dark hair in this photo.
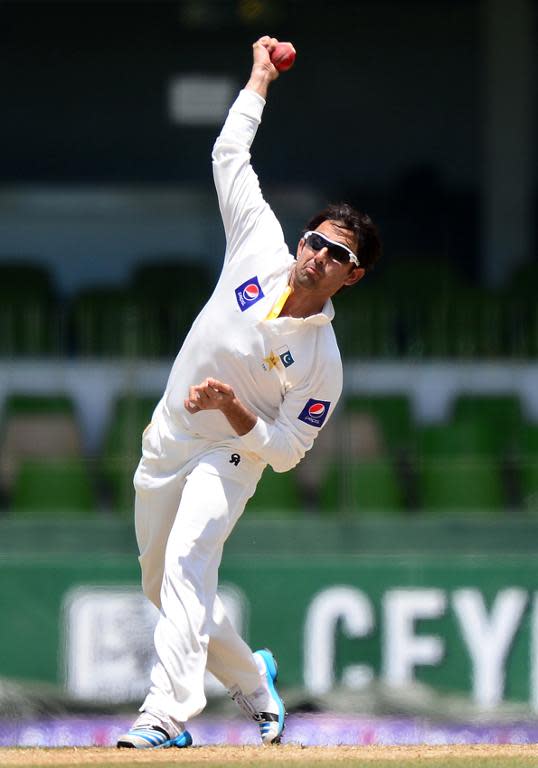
(362, 226)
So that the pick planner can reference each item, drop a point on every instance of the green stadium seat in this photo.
(528, 467)
(460, 485)
(173, 278)
(520, 316)
(474, 321)
(529, 484)
(117, 473)
(423, 277)
(148, 318)
(109, 322)
(528, 439)
(421, 292)
(505, 410)
(122, 449)
(277, 496)
(390, 413)
(36, 427)
(474, 326)
(524, 280)
(499, 418)
(458, 468)
(366, 487)
(26, 276)
(365, 324)
(53, 488)
(38, 404)
(455, 439)
(29, 316)
(171, 294)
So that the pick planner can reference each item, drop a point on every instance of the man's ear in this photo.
(300, 246)
(356, 274)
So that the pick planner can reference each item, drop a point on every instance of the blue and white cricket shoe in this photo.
(264, 706)
(148, 732)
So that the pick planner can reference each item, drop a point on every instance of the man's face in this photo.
(318, 271)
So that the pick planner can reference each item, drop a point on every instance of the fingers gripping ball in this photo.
(283, 56)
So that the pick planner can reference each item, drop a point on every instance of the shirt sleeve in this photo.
(243, 209)
(303, 413)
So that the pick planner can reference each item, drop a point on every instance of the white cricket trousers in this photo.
(189, 495)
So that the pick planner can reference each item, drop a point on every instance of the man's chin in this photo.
(311, 275)
(306, 281)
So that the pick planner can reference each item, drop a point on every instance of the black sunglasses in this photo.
(337, 251)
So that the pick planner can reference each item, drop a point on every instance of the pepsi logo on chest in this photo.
(315, 412)
(248, 293)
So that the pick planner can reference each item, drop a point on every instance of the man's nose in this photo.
(322, 255)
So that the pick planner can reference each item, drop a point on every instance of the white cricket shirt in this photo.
(287, 370)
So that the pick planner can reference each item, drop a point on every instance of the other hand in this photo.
(263, 70)
(211, 394)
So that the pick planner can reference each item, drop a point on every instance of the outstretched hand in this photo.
(261, 53)
(263, 70)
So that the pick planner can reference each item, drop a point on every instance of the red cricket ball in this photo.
(283, 56)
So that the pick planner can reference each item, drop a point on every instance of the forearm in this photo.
(259, 81)
(263, 71)
(279, 444)
(213, 394)
(240, 418)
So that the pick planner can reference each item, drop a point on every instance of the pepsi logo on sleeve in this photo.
(249, 293)
(315, 412)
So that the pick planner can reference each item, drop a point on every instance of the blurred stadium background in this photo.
(394, 572)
